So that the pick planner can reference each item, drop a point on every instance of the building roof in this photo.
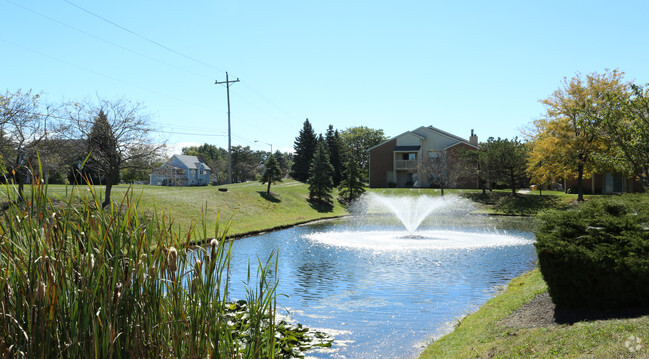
(192, 162)
(428, 128)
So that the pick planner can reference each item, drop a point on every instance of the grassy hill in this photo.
(246, 204)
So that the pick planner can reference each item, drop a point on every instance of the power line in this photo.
(104, 75)
(107, 41)
(181, 54)
(142, 36)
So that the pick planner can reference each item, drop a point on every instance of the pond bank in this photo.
(521, 322)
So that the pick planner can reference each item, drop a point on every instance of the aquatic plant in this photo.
(78, 281)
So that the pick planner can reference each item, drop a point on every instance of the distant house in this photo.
(607, 183)
(181, 170)
(396, 162)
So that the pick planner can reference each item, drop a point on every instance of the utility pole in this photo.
(227, 83)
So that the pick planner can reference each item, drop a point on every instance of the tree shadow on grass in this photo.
(321, 207)
(269, 197)
(521, 204)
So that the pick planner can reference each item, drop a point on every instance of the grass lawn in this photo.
(482, 335)
(245, 203)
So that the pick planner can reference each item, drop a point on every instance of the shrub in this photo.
(597, 255)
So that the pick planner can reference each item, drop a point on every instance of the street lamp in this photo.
(271, 146)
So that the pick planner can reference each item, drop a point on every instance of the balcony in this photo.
(406, 164)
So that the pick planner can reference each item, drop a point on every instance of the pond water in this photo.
(381, 292)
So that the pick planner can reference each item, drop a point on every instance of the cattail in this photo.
(198, 267)
(172, 257)
(40, 290)
(116, 292)
(214, 243)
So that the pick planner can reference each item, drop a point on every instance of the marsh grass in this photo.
(78, 281)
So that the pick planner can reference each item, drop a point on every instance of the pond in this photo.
(381, 292)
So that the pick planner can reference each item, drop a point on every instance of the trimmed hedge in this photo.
(597, 255)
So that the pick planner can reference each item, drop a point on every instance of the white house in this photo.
(181, 170)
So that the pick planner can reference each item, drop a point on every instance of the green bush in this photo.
(597, 255)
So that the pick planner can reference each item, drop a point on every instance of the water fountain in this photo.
(450, 221)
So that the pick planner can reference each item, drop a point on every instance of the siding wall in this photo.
(381, 162)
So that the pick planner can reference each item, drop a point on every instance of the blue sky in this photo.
(391, 65)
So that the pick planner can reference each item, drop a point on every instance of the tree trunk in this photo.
(110, 179)
(512, 182)
(268, 190)
(580, 182)
(442, 188)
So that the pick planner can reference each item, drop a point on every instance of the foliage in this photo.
(321, 182)
(245, 163)
(305, 146)
(351, 187)
(507, 161)
(285, 161)
(597, 255)
(626, 119)
(336, 151)
(359, 140)
(28, 127)
(568, 140)
(272, 172)
(118, 137)
(95, 283)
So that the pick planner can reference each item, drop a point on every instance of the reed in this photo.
(77, 281)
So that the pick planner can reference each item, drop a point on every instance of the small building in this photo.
(181, 170)
(607, 183)
(396, 162)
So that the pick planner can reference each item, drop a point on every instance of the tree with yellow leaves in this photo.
(570, 137)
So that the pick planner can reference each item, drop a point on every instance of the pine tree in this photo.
(272, 172)
(335, 147)
(104, 158)
(305, 146)
(351, 186)
(321, 182)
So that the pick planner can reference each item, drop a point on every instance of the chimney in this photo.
(474, 138)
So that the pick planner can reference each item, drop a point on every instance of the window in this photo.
(409, 156)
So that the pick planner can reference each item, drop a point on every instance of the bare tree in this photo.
(442, 169)
(25, 126)
(118, 137)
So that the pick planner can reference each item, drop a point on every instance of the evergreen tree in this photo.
(272, 172)
(304, 146)
(104, 157)
(321, 182)
(351, 186)
(335, 146)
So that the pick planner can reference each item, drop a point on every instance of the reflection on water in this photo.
(388, 298)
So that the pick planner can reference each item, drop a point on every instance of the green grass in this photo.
(246, 204)
(482, 335)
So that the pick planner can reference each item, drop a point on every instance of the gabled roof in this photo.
(393, 138)
(433, 129)
(191, 162)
